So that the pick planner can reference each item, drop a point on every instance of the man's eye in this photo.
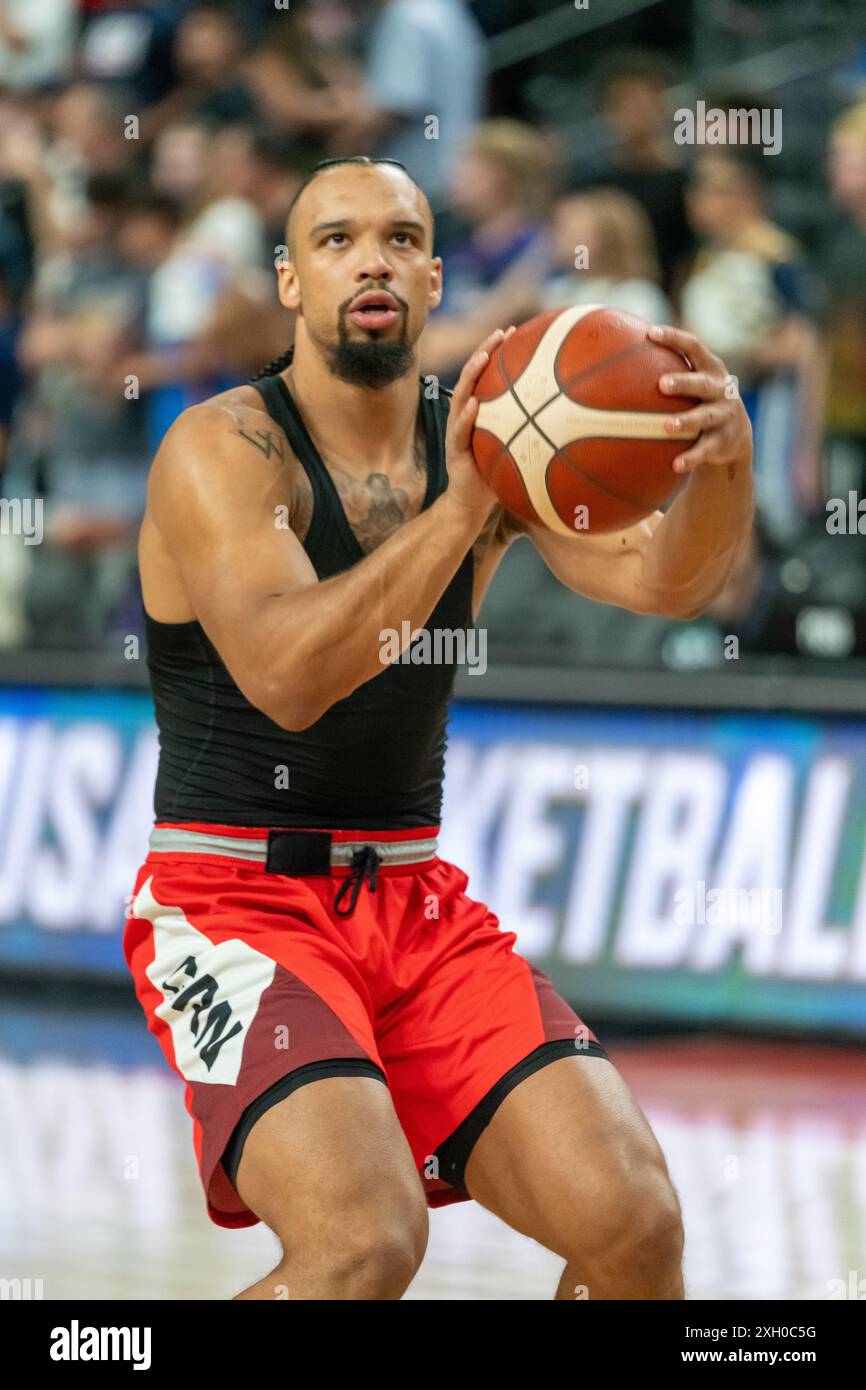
(406, 237)
(335, 235)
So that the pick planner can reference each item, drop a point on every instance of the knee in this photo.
(638, 1226)
(377, 1263)
(364, 1253)
(650, 1244)
(657, 1229)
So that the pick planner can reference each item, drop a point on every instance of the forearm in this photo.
(329, 638)
(691, 552)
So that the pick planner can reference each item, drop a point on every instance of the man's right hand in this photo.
(465, 483)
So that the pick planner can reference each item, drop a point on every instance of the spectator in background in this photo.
(88, 128)
(425, 81)
(301, 89)
(82, 135)
(84, 439)
(218, 331)
(276, 168)
(209, 48)
(492, 275)
(225, 222)
(605, 253)
(748, 297)
(129, 43)
(222, 234)
(151, 224)
(37, 42)
(842, 265)
(249, 326)
(643, 159)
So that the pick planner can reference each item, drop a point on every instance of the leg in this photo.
(570, 1160)
(329, 1170)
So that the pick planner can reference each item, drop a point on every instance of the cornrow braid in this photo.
(277, 364)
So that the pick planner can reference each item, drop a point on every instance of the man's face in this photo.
(206, 44)
(363, 277)
(718, 197)
(635, 108)
(478, 187)
(181, 160)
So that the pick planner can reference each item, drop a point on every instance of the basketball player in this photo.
(358, 1036)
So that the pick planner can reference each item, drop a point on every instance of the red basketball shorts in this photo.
(264, 959)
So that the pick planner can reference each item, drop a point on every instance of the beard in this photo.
(370, 362)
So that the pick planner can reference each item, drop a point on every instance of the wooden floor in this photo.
(100, 1197)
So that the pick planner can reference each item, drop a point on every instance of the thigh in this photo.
(564, 1149)
(478, 1021)
(330, 1166)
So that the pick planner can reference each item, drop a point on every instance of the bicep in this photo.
(608, 568)
(225, 519)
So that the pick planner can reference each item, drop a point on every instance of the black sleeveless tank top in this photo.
(373, 761)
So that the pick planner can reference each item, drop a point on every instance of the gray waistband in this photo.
(168, 839)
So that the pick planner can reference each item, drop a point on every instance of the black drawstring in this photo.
(363, 860)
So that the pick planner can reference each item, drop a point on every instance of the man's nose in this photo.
(374, 265)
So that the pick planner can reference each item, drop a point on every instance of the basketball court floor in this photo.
(100, 1197)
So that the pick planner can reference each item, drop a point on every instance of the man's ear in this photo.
(288, 285)
(435, 296)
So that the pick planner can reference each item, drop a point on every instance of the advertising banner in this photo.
(681, 865)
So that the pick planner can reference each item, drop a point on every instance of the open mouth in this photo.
(374, 311)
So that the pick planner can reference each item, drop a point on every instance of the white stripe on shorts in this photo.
(168, 839)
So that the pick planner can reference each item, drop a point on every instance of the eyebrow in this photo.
(343, 223)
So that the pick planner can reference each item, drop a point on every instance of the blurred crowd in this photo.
(149, 150)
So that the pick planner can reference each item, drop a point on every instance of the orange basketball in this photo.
(570, 429)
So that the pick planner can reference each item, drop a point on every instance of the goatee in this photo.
(372, 364)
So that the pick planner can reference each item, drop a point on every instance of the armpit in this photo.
(500, 529)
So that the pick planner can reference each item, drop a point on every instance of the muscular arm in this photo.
(293, 644)
(671, 564)
(221, 493)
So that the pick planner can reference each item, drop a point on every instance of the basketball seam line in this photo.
(530, 419)
(562, 389)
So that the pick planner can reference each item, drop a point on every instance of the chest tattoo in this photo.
(375, 508)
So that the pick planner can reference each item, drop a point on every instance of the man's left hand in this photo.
(725, 432)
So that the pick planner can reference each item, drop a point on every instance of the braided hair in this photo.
(277, 364)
